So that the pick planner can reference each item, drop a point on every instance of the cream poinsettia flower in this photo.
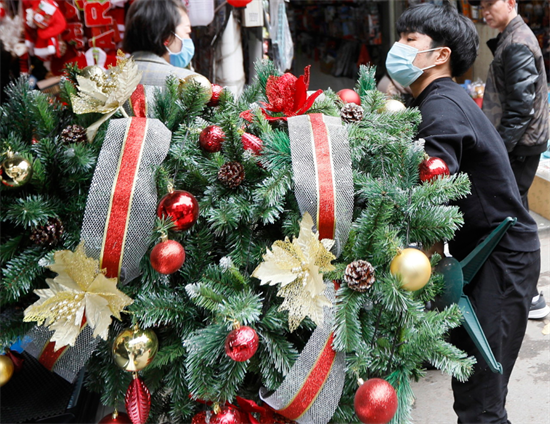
(298, 266)
(106, 92)
(80, 290)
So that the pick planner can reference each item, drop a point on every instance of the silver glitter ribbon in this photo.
(142, 211)
(323, 180)
(73, 358)
(308, 171)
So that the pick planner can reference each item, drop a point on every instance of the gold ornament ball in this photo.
(202, 80)
(135, 348)
(393, 106)
(6, 369)
(413, 267)
(92, 71)
(15, 171)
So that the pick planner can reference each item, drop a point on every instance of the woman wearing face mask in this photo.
(158, 35)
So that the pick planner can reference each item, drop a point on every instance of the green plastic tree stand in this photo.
(457, 274)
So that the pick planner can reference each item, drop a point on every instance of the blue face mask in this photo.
(399, 63)
(183, 57)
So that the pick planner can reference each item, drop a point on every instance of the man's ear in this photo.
(443, 56)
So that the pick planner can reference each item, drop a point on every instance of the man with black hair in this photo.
(436, 44)
(516, 100)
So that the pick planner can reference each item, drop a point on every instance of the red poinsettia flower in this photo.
(288, 94)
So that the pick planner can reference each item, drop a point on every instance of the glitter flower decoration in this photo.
(288, 94)
(298, 266)
(79, 293)
(106, 92)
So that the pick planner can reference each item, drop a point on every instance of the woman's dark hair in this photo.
(446, 28)
(150, 23)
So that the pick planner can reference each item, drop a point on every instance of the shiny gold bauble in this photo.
(135, 348)
(199, 79)
(393, 106)
(414, 268)
(6, 369)
(92, 71)
(15, 171)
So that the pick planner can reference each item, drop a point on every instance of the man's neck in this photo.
(421, 83)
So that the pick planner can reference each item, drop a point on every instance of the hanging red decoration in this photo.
(375, 402)
(238, 3)
(432, 168)
(211, 139)
(241, 344)
(349, 96)
(216, 92)
(228, 415)
(182, 207)
(253, 143)
(138, 401)
(116, 418)
(167, 257)
(288, 94)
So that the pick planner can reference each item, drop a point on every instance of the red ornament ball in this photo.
(432, 168)
(349, 96)
(121, 418)
(227, 415)
(241, 344)
(253, 143)
(182, 207)
(167, 257)
(375, 402)
(238, 3)
(200, 418)
(216, 91)
(211, 139)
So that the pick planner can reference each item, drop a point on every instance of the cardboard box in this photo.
(539, 193)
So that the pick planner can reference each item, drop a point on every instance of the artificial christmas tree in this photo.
(269, 249)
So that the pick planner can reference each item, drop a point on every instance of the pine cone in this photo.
(351, 113)
(359, 276)
(231, 174)
(49, 234)
(74, 134)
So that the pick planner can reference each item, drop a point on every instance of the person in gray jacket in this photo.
(516, 92)
(158, 35)
(516, 100)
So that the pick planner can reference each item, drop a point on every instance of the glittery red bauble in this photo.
(251, 142)
(238, 3)
(375, 402)
(121, 418)
(216, 91)
(349, 96)
(241, 344)
(182, 207)
(167, 257)
(211, 139)
(432, 168)
(227, 415)
(200, 418)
